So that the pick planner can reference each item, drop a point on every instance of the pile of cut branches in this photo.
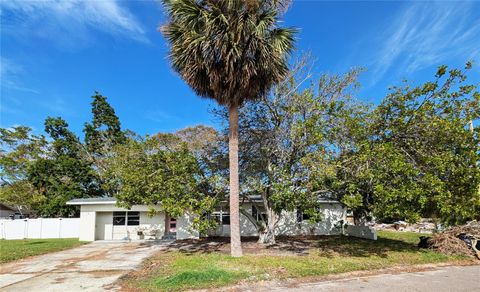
(458, 240)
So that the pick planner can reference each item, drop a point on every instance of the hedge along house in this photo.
(101, 219)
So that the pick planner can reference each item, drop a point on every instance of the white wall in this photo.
(40, 228)
(333, 213)
(184, 229)
(97, 222)
(87, 225)
(103, 226)
(124, 231)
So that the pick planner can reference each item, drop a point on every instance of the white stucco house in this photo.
(101, 219)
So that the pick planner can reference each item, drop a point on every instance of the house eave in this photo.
(79, 202)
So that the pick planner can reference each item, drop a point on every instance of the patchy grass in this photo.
(208, 268)
(11, 250)
(408, 237)
(198, 279)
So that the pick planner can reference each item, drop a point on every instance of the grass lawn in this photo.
(11, 250)
(207, 267)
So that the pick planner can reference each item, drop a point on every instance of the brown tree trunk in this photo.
(235, 243)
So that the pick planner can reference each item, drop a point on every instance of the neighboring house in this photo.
(6, 211)
(101, 219)
(9, 212)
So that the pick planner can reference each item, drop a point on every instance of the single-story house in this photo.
(6, 211)
(9, 212)
(101, 219)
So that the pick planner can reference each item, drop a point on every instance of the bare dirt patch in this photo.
(103, 273)
(59, 280)
(298, 245)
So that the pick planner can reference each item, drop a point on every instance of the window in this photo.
(133, 218)
(216, 217)
(123, 218)
(226, 219)
(301, 216)
(305, 216)
(119, 218)
(264, 217)
(259, 216)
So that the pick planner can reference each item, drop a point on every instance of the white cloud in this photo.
(10, 74)
(8, 67)
(426, 34)
(68, 21)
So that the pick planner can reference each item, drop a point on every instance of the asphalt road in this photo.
(453, 278)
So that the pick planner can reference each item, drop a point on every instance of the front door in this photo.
(170, 224)
(173, 225)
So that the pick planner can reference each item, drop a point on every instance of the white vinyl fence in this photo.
(366, 232)
(39, 228)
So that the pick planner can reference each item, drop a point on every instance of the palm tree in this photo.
(230, 51)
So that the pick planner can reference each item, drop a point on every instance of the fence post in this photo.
(59, 227)
(25, 229)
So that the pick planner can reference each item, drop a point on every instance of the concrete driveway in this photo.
(91, 267)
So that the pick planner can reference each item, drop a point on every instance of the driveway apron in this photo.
(91, 267)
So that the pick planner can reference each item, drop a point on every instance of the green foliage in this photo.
(43, 175)
(104, 132)
(436, 151)
(419, 158)
(149, 173)
(414, 155)
(19, 148)
(63, 174)
(101, 136)
(231, 51)
(227, 50)
(287, 138)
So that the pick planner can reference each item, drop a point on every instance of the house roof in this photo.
(111, 201)
(7, 207)
(93, 201)
(321, 200)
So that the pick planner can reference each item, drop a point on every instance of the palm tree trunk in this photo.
(235, 243)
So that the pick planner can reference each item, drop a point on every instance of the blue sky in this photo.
(55, 54)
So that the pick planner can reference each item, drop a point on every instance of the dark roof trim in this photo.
(93, 201)
(8, 207)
